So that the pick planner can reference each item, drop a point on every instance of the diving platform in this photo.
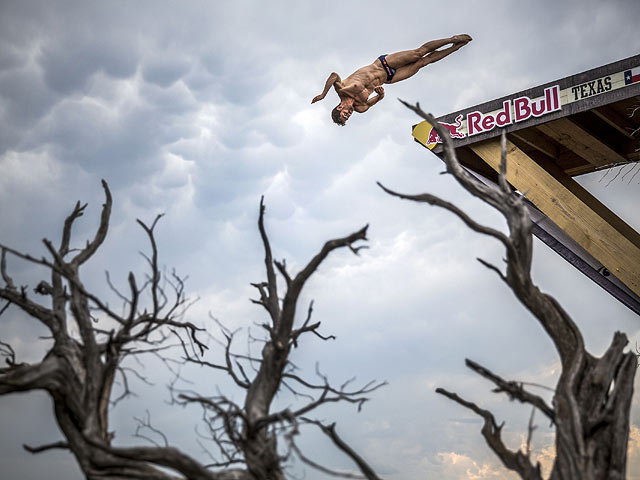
(580, 124)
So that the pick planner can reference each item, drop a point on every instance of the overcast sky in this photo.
(198, 108)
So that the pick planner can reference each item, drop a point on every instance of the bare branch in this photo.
(153, 262)
(330, 431)
(282, 268)
(7, 351)
(77, 212)
(514, 390)
(169, 457)
(493, 268)
(35, 310)
(101, 233)
(23, 377)
(49, 446)
(433, 200)
(355, 397)
(70, 276)
(145, 423)
(3, 270)
(271, 300)
(328, 247)
(530, 429)
(318, 466)
(414, 108)
(517, 461)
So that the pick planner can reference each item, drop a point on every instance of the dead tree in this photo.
(592, 398)
(79, 370)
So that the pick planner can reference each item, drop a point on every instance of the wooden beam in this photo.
(533, 138)
(474, 163)
(537, 140)
(580, 170)
(575, 138)
(617, 121)
(592, 202)
(567, 210)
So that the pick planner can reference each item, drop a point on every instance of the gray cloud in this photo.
(165, 72)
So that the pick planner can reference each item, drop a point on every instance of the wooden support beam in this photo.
(565, 207)
(617, 121)
(574, 137)
(592, 202)
(570, 162)
(474, 163)
(579, 170)
(537, 140)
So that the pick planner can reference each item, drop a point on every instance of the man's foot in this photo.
(462, 38)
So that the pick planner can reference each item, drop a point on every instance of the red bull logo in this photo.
(427, 135)
(513, 111)
(453, 128)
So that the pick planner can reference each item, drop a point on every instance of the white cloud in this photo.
(633, 462)
(461, 467)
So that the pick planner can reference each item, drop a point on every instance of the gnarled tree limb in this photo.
(79, 373)
(593, 395)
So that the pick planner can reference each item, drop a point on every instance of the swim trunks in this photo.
(390, 71)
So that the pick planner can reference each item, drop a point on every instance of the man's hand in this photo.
(317, 98)
(374, 99)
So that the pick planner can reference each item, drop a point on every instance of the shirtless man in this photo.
(354, 90)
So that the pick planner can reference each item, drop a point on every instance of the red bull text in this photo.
(512, 111)
(523, 109)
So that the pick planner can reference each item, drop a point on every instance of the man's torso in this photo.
(360, 84)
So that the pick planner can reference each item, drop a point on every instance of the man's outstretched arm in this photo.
(333, 78)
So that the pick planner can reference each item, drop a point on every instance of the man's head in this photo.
(342, 112)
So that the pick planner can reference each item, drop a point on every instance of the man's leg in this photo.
(404, 72)
(436, 55)
(408, 57)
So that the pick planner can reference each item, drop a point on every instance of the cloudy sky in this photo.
(198, 108)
